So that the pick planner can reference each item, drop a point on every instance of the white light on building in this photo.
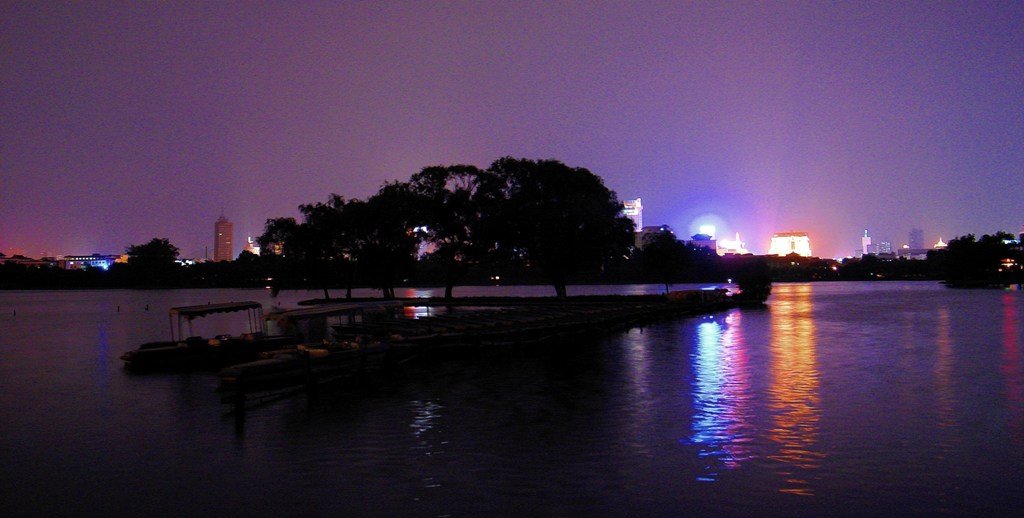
(785, 243)
(732, 246)
(634, 210)
(252, 246)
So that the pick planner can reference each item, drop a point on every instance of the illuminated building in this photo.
(785, 243)
(224, 232)
(865, 244)
(704, 238)
(634, 210)
(940, 244)
(704, 241)
(252, 246)
(884, 247)
(82, 262)
(730, 246)
(917, 254)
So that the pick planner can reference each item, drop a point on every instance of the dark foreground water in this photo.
(842, 398)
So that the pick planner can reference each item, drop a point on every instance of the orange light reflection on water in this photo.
(944, 372)
(793, 396)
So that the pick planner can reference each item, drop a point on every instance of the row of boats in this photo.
(331, 340)
(278, 346)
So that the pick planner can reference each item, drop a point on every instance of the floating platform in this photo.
(435, 328)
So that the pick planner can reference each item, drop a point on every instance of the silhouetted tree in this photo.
(154, 263)
(456, 208)
(328, 242)
(280, 249)
(971, 262)
(558, 218)
(383, 235)
(318, 247)
(665, 258)
(753, 277)
(705, 264)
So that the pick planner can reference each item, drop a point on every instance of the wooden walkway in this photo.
(483, 324)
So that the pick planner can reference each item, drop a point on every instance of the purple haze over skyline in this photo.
(120, 122)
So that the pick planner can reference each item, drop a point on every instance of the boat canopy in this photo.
(254, 313)
(313, 324)
(191, 312)
(325, 310)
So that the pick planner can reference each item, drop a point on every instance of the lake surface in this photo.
(850, 398)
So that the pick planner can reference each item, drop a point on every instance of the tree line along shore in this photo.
(519, 221)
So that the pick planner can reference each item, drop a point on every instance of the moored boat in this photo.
(322, 354)
(198, 352)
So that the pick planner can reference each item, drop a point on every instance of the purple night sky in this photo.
(120, 122)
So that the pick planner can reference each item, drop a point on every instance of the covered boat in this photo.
(321, 354)
(189, 351)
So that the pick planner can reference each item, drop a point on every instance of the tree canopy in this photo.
(989, 260)
(457, 216)
(561, 219)
(665, 258)
(153, 263)
(384, 235)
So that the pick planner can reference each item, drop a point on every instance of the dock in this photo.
(431, 329)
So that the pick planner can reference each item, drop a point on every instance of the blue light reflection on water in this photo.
(728, 428)
(721, 396)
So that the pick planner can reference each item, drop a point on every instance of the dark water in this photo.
(848, 398)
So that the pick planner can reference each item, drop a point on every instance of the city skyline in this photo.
(124, 122)
(223, 243)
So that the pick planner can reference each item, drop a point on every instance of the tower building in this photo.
(223, 237)
(634, 210)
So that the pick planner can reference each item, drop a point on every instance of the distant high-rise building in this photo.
(884, 247)
(865, 244)
(634, 210)
(224, 234)
(785, 243)
(916, 239)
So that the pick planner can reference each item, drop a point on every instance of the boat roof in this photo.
(324, 310)
(209, 309)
